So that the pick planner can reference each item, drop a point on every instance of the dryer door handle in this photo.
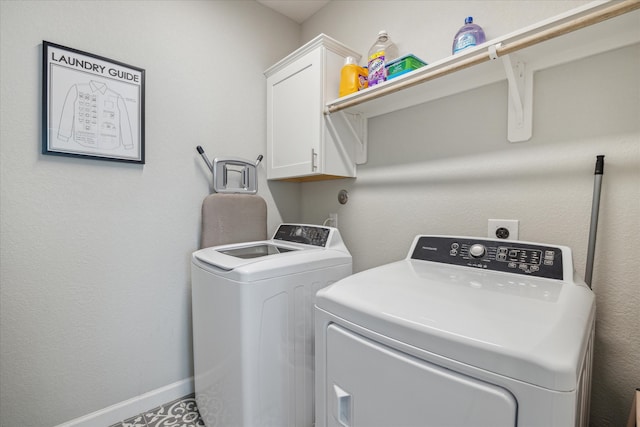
(342, 407)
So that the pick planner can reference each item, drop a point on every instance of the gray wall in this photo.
(445, 167)
(95, 290)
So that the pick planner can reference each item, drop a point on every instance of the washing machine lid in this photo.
(294, 248)
(256, 250)
(527, 328)
(233, 256)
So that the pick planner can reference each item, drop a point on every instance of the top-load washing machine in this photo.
(253, 325)
(462, 332)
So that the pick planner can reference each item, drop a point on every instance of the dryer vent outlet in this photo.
(506, 229)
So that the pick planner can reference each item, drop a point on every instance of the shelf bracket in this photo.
(354, 132)
(520, 103)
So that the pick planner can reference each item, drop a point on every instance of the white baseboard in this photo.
(134, 406)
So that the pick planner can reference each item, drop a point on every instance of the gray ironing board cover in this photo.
(233, 218)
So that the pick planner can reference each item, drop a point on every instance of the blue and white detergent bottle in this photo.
(468, 36)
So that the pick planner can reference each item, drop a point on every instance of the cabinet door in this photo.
(294, 118)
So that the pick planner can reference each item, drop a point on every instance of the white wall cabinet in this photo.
(302, 143)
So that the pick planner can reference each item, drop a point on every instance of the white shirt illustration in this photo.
(96, 117)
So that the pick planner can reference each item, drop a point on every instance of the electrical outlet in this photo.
(334, 219)
(503, 229)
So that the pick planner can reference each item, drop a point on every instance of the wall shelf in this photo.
(589, 30)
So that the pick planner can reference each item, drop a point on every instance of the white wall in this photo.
(95, 288)
(445, 167)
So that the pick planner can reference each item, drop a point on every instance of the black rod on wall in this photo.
(595, 209)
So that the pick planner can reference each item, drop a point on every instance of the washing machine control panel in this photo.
(507, 256)
(309, 235)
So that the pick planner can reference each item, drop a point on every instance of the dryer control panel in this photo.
(507, 256)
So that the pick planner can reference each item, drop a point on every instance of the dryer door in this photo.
(369, 384)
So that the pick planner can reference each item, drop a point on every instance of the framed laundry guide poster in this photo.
(92, 107)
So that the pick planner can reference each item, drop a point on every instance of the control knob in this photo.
(477, 250)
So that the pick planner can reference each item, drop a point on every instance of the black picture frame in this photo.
(92, 106)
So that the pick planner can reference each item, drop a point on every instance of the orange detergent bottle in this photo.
(352, 77)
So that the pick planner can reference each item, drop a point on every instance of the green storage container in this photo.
(403, 65)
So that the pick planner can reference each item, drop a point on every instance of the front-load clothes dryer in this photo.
(462, 332)
(253, 325)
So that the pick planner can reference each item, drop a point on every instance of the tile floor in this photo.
(182, 412)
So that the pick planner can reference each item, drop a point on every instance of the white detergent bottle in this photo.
(381, 53)
(468, 36)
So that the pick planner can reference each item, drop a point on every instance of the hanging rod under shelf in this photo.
(501, 49)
